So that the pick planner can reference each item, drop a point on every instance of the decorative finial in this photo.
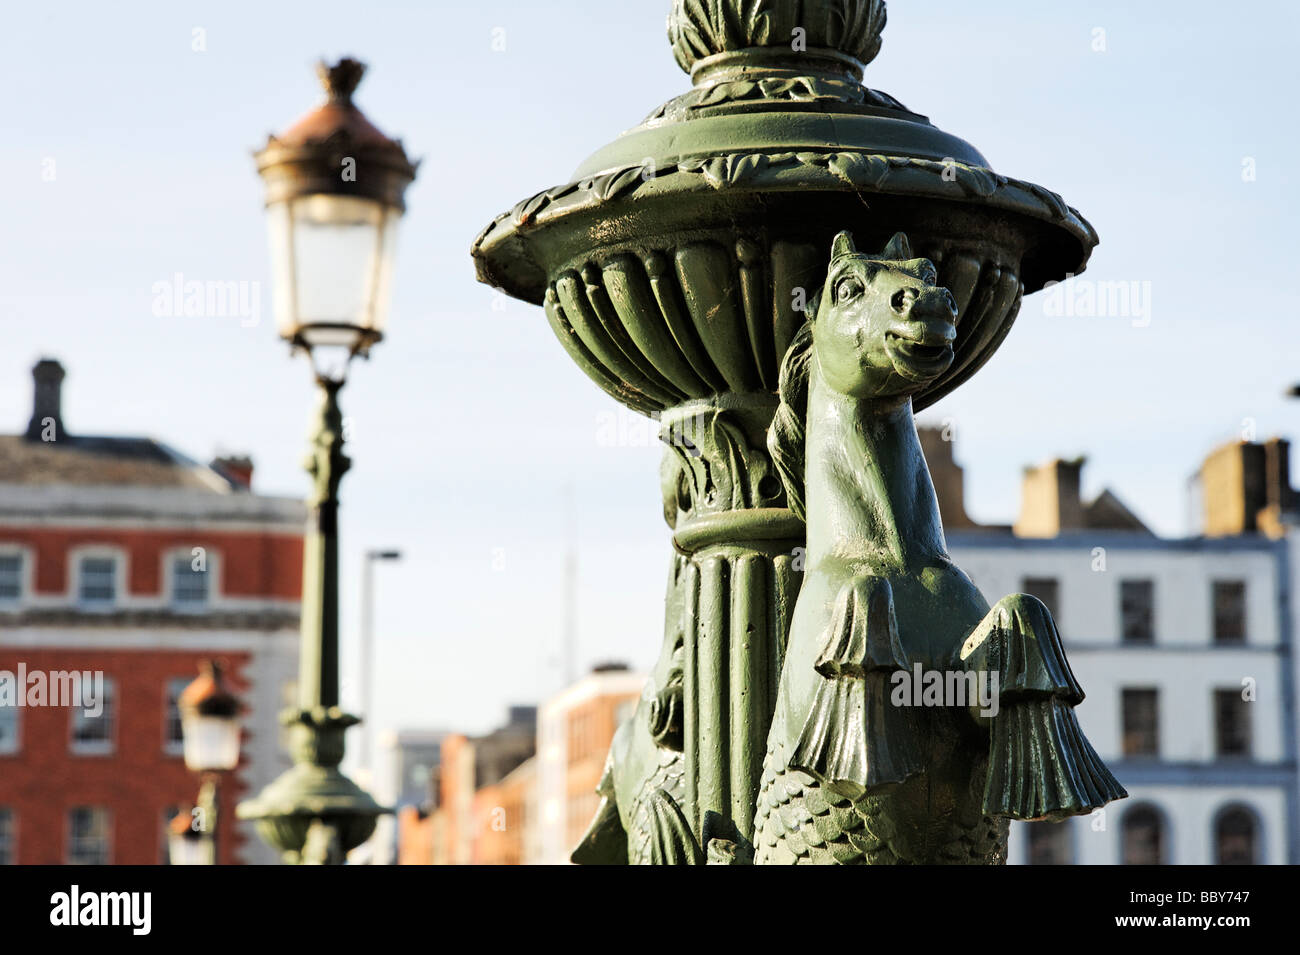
(850, 28)
(341, 79)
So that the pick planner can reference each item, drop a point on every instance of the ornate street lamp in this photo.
(681, 268)
(334, 194)
(211, 729)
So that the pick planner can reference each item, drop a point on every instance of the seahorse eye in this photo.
(848, 288)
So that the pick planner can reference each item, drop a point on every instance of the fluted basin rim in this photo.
(507, 255)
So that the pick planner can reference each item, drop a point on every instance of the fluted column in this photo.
(740, 585)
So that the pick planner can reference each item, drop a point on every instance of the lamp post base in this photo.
(313, 814)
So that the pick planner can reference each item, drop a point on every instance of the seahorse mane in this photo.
(786, 434)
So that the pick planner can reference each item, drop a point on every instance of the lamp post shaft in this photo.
(209, 803)
(313, 813)
(318, 666)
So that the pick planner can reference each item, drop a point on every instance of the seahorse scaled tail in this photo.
(1041, 766)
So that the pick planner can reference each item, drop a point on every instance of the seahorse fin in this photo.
(1041, 766)
(853, 740)
(671, 840)
(605, 841)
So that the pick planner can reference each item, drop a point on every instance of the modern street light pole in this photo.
(334, 195)
(368, 648)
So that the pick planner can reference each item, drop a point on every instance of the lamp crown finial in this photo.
(341, 79)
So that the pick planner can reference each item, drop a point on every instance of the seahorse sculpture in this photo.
(857, 769)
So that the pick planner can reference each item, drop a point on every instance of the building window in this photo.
(1235, 838)
(1141, 722)
(88, 836)
(94, 733)
(1048, 590)
(7, 836)
(173, 737)
(11, 577)
(9, 727)
(189, 585)
(1229, 611)
(1231, 723)
(1049, 843)
(97, 582)
(1143, 835)
(1137, 611)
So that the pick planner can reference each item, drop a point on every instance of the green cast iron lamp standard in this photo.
(334, 194)
(678, 268)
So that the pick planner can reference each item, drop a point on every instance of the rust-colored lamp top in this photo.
(335, 150)
(338, 115)
(209, 695)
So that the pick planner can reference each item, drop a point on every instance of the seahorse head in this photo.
(883, 329)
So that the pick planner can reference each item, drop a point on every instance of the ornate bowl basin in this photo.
(674, 265)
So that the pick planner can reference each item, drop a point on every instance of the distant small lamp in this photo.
(186, 844)
(334, 195)
(211, 727)
(210, 722)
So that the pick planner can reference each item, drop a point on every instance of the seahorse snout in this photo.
(935, 304)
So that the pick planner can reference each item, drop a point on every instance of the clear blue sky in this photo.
(469, 421)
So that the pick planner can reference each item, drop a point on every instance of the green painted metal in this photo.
(861, 768)
(313, 814)
(678, 268)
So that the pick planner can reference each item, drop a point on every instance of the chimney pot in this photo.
(1050, 500)
(47, 401)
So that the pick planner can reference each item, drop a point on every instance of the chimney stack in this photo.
(1049, 499)
(237, 469)
(47, 402)
(947, 477)
(1277, 476)
(1246, 488)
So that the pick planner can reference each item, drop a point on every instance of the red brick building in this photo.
(123, 559)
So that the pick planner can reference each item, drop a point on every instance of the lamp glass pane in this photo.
(279, 223)
(332, 266)
(338, 264)
(211, 743)
(188, 850)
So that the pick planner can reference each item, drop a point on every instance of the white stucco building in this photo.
(1183, 646)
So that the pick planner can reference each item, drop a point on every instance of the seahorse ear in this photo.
(843, 245)
(898, 248)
